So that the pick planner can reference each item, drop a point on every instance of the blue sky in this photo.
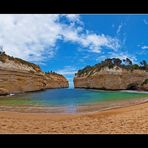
(65, 43)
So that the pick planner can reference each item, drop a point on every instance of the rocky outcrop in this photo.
(3, 91)
(17, 76)
(113, 79)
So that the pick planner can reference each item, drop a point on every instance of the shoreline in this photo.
(72, 110)
(131, 119)
(83, 88)
(76, 109)
(110, 109)
(33, 91)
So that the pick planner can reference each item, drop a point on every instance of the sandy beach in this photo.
(131, 120)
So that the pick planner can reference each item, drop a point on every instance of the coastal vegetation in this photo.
(111, 63)
(145, 82)
(19, 76)
(4, 57)
(53, 73)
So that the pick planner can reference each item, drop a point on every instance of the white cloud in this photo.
(113, 25)
(33, 37)
(67, 70)
(145, 22)
(119, 28)
(121, 55)
(73, 18)
(144, 47)
(92, 41)
(97, 42)
(1, 48)
(29, 36)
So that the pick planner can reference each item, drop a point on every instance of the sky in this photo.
(65, 43)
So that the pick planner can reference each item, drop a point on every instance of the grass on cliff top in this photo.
(53, 73)
(4, 57)
(111, 63)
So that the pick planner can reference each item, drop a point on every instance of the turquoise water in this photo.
(62, 97)
(70, 98)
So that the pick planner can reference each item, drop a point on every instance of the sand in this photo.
(131, 120)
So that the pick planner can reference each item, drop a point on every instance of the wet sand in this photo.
(131, 120)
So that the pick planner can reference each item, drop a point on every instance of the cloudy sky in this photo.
(67, 42)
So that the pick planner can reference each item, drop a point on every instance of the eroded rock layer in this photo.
(17, 76)
(113, 79)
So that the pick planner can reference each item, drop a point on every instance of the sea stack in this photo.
(110, 74)
(17, 76)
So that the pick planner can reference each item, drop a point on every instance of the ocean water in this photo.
(70, 100)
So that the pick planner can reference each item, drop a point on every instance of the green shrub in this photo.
(145, 82)
(4, 57)
(111, 63)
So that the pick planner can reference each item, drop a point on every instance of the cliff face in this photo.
(17, 76)
(113, 79)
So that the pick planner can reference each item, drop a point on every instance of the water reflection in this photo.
(68, 100)
(71, 108)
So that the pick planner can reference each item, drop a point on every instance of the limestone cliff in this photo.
(114, 78)
(17, 76)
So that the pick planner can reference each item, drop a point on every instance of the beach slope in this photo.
(127, 120)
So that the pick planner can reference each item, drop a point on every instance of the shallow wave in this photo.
(134, 91)
(11, 94)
